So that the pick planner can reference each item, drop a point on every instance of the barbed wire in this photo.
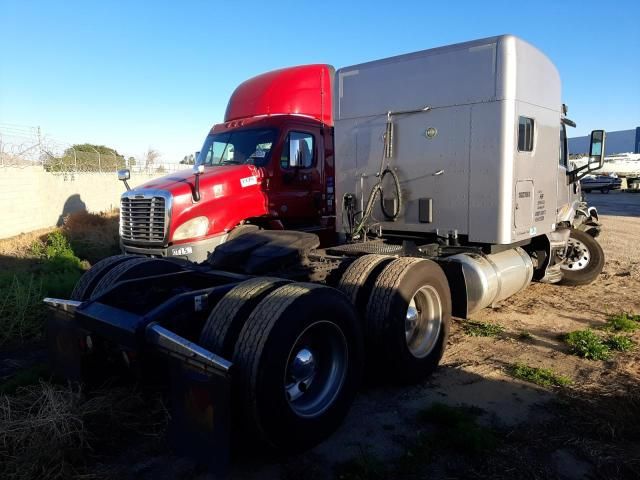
(23, 146)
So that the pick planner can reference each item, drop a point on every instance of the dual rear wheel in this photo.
(405, 308)
(298, 349)
(298, 357)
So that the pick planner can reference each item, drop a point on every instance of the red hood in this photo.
(182, 182)
(228, 195)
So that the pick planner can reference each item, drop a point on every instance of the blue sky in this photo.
(134, 75)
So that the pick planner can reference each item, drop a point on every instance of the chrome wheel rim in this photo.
(423, 321)
(578, 256)
(316, 369)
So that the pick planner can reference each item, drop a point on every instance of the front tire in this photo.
(584, 259)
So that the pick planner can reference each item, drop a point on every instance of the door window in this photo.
(298, 151)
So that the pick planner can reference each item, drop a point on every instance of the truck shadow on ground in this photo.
(385, 434)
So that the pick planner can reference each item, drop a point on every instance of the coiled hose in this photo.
(375, 191)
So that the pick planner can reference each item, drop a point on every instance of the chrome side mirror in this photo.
(123, 176)
(596, 150)
(197, 169)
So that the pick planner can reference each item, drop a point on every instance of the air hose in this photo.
(375, 191)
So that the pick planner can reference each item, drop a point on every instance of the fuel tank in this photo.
(491, 278)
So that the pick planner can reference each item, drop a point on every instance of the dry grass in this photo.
(92, 236)
(19, 246)
(53, 432)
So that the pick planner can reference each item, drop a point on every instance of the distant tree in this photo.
(131, 161)
(150, 157)
(188, 160)
(86, 157)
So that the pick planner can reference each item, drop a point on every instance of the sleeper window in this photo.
(525, 134)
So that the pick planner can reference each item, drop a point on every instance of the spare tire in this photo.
(136, 267)
(88, 281)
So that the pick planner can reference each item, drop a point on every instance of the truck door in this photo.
(297, 194)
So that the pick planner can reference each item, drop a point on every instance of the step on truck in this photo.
(446, 174)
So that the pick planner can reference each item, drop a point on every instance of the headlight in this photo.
(196, 227)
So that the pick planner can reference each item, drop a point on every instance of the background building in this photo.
(622, 141)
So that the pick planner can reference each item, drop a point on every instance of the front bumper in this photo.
(196, 252)
(587, 220)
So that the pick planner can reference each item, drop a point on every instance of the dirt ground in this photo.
(590, 429)
(473, 372)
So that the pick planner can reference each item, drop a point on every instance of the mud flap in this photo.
(69, 355)
(200, 417)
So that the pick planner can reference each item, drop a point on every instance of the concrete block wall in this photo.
(32, 199)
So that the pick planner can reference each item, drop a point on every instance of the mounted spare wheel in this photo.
(222, 328)
(298, 362)
(584, 259)
(134, 267)
(83, 289)
(407, 319)
(358, 280)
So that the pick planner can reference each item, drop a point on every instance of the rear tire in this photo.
(136, 267)
(84, 288)
(222, 328)
(585, 260)
(298, 364)
(358, 280)
(408, 317)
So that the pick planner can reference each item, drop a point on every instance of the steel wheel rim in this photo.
(423, 321)
(316, 368)
(578, 256)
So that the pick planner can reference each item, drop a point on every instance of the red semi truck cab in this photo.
(269, 165)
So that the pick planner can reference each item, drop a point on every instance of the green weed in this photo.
(363, 467)
(457, 428)
(587, 344)
(482, 329)
(24, 377)
(620, 343)
(53, 272)
(540, 376)
(524, 335)
(623, 322)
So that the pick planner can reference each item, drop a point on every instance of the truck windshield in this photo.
(238, 147)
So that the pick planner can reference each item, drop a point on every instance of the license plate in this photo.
(181, 251)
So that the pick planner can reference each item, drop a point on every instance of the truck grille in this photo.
(143, 219)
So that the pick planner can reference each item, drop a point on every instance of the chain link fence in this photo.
(22, 146)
